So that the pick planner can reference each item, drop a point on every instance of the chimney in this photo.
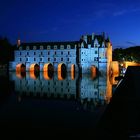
(18, 42)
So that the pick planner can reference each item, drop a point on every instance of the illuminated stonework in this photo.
(92, 53)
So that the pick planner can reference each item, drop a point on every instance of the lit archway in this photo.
(20, 68)
(34, 67)
(48, 75)
(20, 74)
(34, 75)
(72, 71)
(93, 72)
(62, 71)
(48, 67)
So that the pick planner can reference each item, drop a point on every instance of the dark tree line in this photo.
(6, 51)
(128, 54)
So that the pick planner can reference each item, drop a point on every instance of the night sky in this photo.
(67, 20)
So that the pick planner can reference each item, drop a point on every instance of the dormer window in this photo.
(61, 47)
(34, 47)
(20, 48)
(48, 47)
(41, 47)
(55, 47)
(27, 47)
(68, 46)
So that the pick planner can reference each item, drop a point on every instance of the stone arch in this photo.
(62, 71)
(73, 71)
(20, 74)
(48, 67)
(34, 67)
(62, 67)
(48, 75)
(20, 68)
(34, 75)
(93, 71)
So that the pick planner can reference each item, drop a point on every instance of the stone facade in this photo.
(91, 51)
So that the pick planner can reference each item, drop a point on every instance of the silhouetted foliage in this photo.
(6, 51)
(128, 54)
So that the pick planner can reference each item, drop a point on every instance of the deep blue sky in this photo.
(61, 20)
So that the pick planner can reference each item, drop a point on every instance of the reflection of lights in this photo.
(46, 76)
(93, 72)
(20, 68)
(32, 75)
(20, 74)
(60, 76)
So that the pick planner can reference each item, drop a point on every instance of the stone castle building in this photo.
(90, 53)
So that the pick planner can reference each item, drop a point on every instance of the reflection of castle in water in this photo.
(84, 89)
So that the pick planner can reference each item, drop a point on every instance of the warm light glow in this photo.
(112, 79)
(34, 67)
(20, 68)
(48, 67)
(72, 71)
(114, 68)
(19, 74)
(127, 63)
(93, 72)
(46, 76)
(61, 71)
(108, 90)
(32, 75)
(60, 76)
